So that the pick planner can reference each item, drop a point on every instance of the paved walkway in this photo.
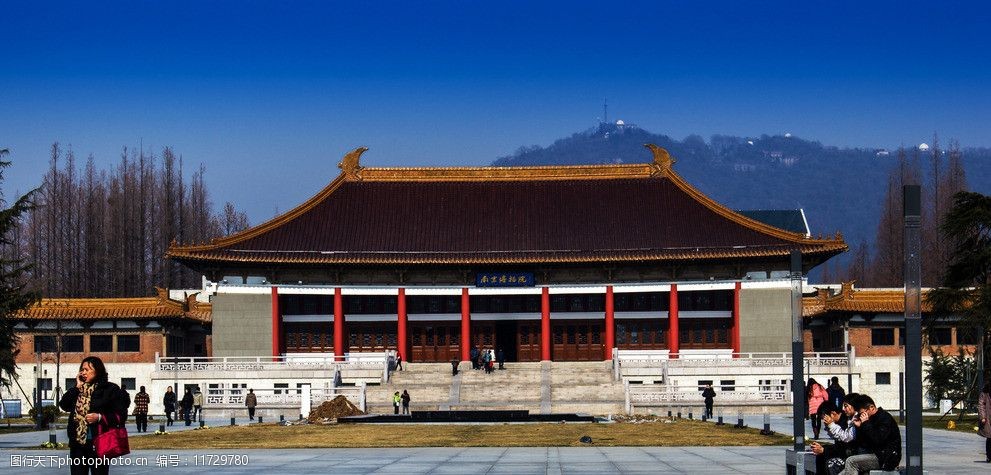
(945, 453)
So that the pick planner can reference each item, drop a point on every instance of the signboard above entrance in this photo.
(504, 279)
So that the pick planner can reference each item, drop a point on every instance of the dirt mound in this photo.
(337, 407)
(640, 418)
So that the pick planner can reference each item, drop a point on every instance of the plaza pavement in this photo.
(944, 453)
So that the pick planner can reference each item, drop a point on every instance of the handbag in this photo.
(889, 459)
(111, 442)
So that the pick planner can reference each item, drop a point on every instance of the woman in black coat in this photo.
(94, 401)
(169, 402)
(187, 406)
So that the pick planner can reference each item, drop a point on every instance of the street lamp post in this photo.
(175, 375)
(39, 418)
(797, 349)
(913, 328)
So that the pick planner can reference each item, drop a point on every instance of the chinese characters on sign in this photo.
(504, 279)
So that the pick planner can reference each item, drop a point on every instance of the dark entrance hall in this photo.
(505, 337)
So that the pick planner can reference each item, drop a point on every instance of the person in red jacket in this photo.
(815, 394)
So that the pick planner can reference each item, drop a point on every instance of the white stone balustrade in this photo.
(229, 398)
(378, 361)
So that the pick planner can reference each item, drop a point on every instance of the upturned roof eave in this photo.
(474, 258)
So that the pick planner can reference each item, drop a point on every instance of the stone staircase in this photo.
(518, 387)
(548, 387)
(586, 387)
(429, 386)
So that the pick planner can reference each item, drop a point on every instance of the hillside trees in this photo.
(100, 233)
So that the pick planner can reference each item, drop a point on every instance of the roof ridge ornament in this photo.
(846, 288)
(349, 164)
(662, 160)
(162, 294)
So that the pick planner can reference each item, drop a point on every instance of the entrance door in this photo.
(483, 336)
(308, 337)
(371, 336)
(528, 341)
(705, 333)
(434, 342)
(642, 334)
(577, 340)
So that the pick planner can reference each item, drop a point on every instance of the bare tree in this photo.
(859, 264)
(886, 267)
(104, 233)
(232, 220)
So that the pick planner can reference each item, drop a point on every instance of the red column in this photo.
(545, 325)
(735, 339)
(610, 323)
(673, 321)
(401, 331)
(465, 325)
(276, 323)
(338, 323)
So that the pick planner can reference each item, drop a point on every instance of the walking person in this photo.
(93, 404)
(405, 398)
(396, 399)
(399, 362)
(836, 392)
(197, 404)
(141, 402)
(708, 393)
(187, 406)
(815, 395)
(984, 414)
(169, 402)
(501, 358)
(252, 402)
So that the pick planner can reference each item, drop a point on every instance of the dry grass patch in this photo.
(967, 424)
(677, 433)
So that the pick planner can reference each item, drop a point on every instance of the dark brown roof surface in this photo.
(511, 215)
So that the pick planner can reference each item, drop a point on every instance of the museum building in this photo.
(551, 263)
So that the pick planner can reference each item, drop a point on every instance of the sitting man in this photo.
(831, 458)
(877, 433)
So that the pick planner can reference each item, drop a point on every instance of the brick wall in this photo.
(150, 343)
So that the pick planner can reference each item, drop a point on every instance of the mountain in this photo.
(840, 189)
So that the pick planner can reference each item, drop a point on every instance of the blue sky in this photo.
(269, 95)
